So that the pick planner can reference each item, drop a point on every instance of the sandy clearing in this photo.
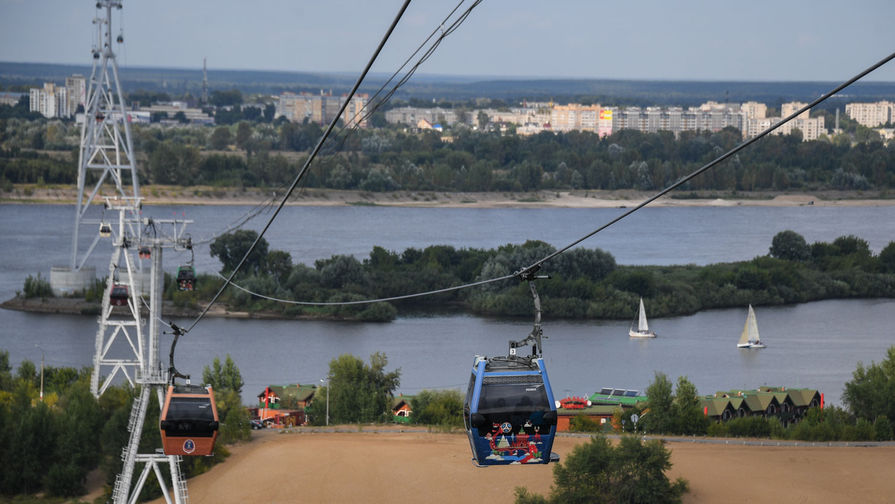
(366, 467)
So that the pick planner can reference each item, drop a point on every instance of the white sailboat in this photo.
(642, 330)
(749, 338)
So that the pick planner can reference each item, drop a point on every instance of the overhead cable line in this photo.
(242, 220)
(445, 29)
(304, 168)
(534, 266)
(379, 300)
(529, 271)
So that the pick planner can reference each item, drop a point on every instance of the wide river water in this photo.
(812, 345)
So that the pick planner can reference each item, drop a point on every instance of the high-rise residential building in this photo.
(871, 114)
(709, 116)
(575, 117)
(319, 108)
(412, 116)
(811, 127)
(354, 112)
(76, 88)
(788, 108)
(49, 101)
(754, 110)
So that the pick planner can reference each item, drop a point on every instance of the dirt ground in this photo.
(365, 467)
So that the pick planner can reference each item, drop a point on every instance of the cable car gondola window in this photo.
(503, 394)
(188, 416)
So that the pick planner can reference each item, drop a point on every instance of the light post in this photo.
(326, 382)
(42, 355)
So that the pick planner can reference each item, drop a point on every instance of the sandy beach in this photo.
(379, 467)
(172, 195)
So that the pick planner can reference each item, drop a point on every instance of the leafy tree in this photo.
(243, 134)
(871, 391)
(220, 98)
(660, 418)
(887, 258)
(230, 248)
(790, 246)
(226, 377)
(339, 271)
(359, 392)
(220, 138)
(444, 408)
(690, 419)
(279, 264)
(35, 437)
(5, 371)
(77, 450)
(596, 472)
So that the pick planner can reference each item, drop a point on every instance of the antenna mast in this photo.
(204, 83)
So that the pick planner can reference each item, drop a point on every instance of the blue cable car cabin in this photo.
(510, 413)
(186, 277)
(189, 421)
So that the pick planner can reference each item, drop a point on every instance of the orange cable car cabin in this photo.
(118, 295)
(189, 421)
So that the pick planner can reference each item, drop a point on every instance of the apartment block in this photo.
(354, 112)
(871, 114)
(76, 88)
(787, 109)
(575, 117)
(811, 127)
(413, 115)
(754, 110)
(710, 116)
(320, 108)
(49, 101)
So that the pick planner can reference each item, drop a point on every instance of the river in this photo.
(812, 345)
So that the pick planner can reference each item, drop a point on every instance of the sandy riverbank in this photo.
(171, 195)
(435, 468)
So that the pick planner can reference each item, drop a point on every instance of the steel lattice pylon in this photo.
(107, 149)
(140, 365)
(106, 145)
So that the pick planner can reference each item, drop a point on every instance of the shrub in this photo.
(632, 471)
(37, 287)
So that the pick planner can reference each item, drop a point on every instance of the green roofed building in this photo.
(787, 404)
(617, 397)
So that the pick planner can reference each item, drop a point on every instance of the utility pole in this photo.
(42, 355)
(325, 381)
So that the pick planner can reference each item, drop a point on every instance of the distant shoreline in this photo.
(207, 195)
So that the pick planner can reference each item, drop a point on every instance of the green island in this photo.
(584, 283)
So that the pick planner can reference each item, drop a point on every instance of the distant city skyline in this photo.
(799, 40)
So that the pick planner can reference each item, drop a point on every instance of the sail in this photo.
(642, 326)
(752, 326)
(750, 329)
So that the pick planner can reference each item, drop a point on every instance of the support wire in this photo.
(528, 271)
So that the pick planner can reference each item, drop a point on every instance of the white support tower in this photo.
(106, 151)
(141, 366)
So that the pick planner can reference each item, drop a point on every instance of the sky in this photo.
(754, 40)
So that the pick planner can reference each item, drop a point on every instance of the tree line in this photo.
(53, 442)
(269, 153)
(869, 414)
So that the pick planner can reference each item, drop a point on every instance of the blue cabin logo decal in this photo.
(189, 446)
